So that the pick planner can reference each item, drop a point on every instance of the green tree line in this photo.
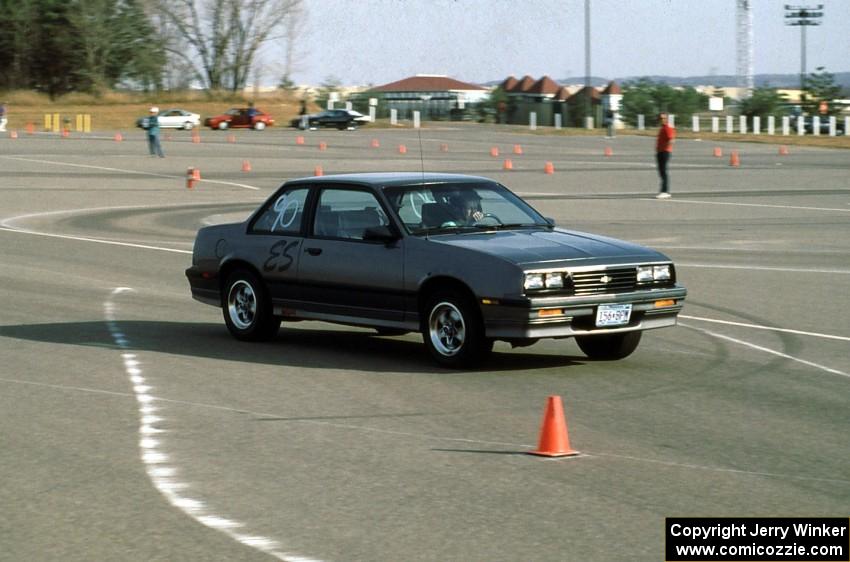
(61, 46)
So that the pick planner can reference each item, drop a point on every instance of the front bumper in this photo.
(575, 316)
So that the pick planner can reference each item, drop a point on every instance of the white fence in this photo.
(828, 126)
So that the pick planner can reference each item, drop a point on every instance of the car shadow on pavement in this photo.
(354, 349)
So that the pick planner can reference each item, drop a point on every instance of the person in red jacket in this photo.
(663, 152)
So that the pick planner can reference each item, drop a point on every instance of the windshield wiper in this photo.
(519, 225)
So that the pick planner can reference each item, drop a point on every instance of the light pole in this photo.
(587, 100)
(803, 16)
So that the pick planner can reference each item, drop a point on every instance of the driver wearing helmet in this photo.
(466, 206)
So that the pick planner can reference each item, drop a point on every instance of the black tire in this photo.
(453, 331)
(223, 126)
(247, 308)
(188, 126)
(609, 347)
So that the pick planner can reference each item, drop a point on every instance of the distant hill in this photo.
(761, 80)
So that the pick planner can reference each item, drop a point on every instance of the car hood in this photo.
(546, 247)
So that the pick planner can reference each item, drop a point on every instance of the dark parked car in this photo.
(240, 117)
(338, 118)
(460, 259)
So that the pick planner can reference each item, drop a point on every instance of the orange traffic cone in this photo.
(13, 134)
(30, 128)
(549, 168)
(66, 133)
(168, 137)
(318, 171)
(783, 150)
(246, 166)
(231, 138)
(375, 143)
(299, 140)
(402, 149)
(609, 151)
(196, 138)
(119, 137)
(717, 152)
(517, 149)
(734, 160)
(508, 165)
(193, 175)
(494, 152)
(323, 145)
(444, 147)
(554, 441)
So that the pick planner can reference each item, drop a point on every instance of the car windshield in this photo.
(435, 208)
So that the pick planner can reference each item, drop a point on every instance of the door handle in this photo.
(313, 251)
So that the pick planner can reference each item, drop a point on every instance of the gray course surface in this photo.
(135, 428)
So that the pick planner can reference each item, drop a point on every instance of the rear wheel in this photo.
(453, 331)
(609, 347)
(247, 308)
(187, 126)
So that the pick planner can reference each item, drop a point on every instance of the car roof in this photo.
(387, 179)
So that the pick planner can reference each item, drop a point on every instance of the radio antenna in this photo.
(421, 156)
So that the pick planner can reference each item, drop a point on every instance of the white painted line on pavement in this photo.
(768, 328)
(729, 203)
(157, 462)
(762, 268)
(770, 351)
(96, 240)
(124, 171)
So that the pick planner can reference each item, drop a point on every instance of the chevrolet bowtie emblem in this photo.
(604, 279)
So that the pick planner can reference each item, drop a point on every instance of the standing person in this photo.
(663, 152)
(609, 121)
(153, 133)
(2, 117)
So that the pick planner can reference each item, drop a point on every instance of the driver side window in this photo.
(347, 213)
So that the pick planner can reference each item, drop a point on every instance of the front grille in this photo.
(600, 281)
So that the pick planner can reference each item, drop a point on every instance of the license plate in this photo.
(613, 314)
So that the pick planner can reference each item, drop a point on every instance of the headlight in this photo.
(644, 273)
(533, 281)
(554, 281)
(661, 272)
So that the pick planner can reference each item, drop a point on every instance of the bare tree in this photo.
(224, 36)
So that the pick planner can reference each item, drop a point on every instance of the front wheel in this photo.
(609, 347)
(453, 331)
(223, 125)
(247, 308)
(259, 126)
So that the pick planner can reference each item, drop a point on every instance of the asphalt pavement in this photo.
(135, 428)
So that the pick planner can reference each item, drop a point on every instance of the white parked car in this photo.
(174, 119)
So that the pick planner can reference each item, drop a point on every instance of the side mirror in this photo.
(381, 233)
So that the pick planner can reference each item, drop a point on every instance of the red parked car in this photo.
(244, 117)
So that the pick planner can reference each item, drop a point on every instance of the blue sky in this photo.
(379, 41)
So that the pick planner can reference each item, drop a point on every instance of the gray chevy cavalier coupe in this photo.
(460, 259)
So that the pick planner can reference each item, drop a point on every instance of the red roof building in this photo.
(523, 85)
(428, 83)
(544, 87)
